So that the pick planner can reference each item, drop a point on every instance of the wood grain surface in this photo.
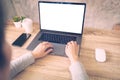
(56, 67)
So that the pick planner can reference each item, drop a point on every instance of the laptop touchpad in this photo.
(59, 49)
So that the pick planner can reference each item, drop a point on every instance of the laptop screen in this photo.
(63, 17)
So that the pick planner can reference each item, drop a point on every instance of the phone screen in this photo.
(21, 39)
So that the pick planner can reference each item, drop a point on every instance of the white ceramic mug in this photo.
(27, 24)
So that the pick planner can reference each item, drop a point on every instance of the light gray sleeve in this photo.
(78, 72)
(20, 64)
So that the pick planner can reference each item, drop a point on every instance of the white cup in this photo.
(27, 25)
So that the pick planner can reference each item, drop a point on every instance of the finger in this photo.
(48, 51)
(72, 43)
(69, 47)
(66, 44)
(78, 46)
(38, 46)
(49, 45)
(69, 43)
(66, 50)
(75, 42)
(66, 47)
(45, 42)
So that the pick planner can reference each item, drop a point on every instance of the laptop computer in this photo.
(60, 23)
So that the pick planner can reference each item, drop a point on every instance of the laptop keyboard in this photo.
(55, 38)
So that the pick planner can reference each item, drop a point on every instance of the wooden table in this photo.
(56, 67)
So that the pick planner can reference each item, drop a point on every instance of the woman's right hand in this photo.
(71, 50)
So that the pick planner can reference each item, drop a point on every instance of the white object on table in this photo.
(17, 24)
(27, 25)
(100, 55)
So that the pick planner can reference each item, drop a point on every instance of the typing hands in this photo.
(71, 50)
(42, 50)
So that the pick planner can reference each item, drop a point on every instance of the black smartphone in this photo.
(21, 39)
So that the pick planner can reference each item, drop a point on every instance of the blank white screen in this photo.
(62, 17)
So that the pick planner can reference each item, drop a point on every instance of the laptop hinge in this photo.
(50, 31)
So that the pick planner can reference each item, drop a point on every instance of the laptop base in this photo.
(59, 49)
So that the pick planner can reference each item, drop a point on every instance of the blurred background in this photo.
(99, 13)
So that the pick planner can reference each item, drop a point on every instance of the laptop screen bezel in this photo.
(62, 3)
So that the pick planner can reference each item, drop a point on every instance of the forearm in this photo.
(78, 72)
(20, 64)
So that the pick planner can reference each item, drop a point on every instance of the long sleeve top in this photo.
(19, 64)
(78, 72)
